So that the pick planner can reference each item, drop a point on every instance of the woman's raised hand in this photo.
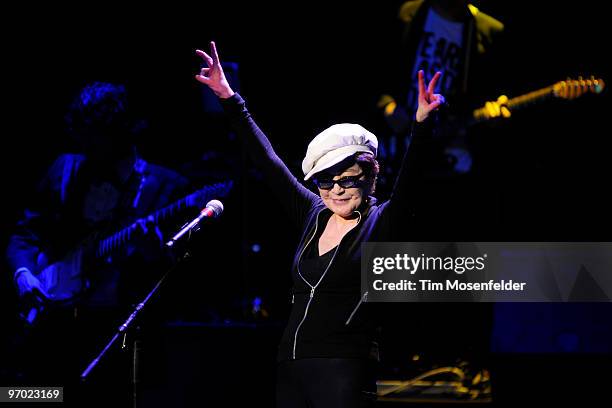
(428, 100)
(213, 76)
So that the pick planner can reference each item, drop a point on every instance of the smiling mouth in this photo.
(340, 200)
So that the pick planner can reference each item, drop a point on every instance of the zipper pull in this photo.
(363, 299)
(292, 298)
(312, 292)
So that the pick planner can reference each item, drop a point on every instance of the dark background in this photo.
(302, 67)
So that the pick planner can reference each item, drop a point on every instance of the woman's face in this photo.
(343, 201)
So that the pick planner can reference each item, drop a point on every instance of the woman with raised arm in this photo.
(327, 354)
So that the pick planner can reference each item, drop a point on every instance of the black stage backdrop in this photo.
(303, 66)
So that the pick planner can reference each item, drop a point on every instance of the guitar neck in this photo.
(481, 114)
(115, 241)
(568, 89)
(531, 97)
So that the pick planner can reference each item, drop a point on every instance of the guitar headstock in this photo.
(574, 88)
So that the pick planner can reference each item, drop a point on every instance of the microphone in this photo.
(213, 209)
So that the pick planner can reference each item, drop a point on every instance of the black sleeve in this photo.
(407, 198)
(40, 219)
(296, 198)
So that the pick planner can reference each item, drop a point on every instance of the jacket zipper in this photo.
(363, 299)
(312, 288)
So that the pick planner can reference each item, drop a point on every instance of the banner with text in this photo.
(486, 271)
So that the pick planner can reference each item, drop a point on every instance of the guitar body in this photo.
(63, 280)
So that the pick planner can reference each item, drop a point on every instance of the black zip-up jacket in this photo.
(328, 318)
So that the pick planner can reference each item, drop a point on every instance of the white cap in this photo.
(335, 144)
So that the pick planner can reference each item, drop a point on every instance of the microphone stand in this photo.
(123, 329)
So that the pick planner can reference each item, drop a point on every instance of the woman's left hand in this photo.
(428, 100)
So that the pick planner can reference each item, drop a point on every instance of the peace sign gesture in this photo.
(213, 76)
(428, 100)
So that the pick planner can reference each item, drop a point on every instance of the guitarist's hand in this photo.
(498, 108)
(149, 239)
(28, 284)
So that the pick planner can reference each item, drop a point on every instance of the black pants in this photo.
(326, 382)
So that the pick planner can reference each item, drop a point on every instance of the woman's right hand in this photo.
(213, 76)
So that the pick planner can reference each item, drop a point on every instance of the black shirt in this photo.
(313, 265)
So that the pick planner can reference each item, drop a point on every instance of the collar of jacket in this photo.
(364, 211)
(487, 26)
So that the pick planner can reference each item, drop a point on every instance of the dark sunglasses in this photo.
(344, 182)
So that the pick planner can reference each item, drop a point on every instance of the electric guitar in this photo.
(65, 281)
